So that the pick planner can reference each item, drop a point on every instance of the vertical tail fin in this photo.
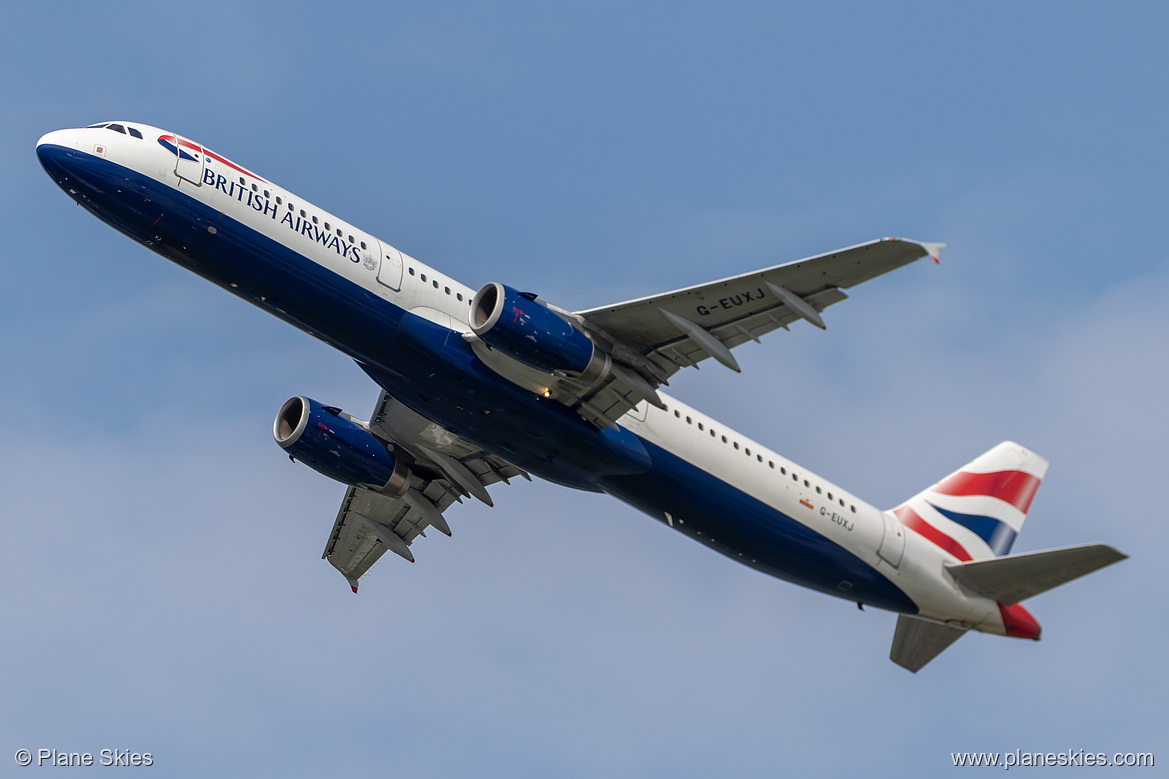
(977, 511)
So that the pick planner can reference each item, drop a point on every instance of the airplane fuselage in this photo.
(403, 322)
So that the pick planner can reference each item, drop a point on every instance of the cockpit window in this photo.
(97, 126)
(134, 132)
(117, 128)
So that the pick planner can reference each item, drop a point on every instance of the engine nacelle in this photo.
(331, 443)
(527, 330)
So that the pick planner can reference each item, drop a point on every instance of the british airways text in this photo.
(269, 207)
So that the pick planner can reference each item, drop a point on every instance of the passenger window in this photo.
(134, 132)
(817, 489)
(327, 226)
(435, 283)
(242, 182)
(447, 290)
(267, 194)
(688, 421)
(759, 457)
(423, 277)
(724, 439)
(806, 483)
(700, 426)
(255, 188)
(736, 444)
(362, 243)
(677, 414)
(459, 296)
(314, 220)
(411, 271)
(852, 509)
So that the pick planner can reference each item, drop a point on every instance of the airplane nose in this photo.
(55, 138)
(52, 147)
(60, 155)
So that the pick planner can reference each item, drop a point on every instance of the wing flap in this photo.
(444, 467)
(639, 323)
(352, 548)
(750, 327)
(659, 335)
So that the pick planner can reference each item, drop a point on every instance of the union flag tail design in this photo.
(977, 511)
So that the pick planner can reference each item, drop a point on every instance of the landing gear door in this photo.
(389, 272)
(189, 161)
(893, 543)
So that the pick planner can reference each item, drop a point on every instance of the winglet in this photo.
(934, 249)
(352, 584)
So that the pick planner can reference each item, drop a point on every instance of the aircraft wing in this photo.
(656, 336)
(444, 469)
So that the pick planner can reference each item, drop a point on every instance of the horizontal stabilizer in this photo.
(917, 641)
(1014, 578)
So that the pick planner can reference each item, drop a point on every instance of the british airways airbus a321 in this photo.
(485, 386)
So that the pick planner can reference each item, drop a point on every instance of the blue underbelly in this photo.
(749, 531)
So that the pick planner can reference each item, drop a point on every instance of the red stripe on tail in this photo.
(1014, 487)
(911, 520)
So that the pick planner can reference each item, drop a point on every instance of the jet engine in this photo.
(338, 446)
(527, 330)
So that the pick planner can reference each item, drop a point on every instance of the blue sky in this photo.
(163, 590)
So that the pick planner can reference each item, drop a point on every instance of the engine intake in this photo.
(335, 445)
(525, 329)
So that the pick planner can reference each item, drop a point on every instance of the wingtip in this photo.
(934, 249)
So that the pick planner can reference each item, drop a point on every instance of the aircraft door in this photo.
(893, 542)
(389, 272)
(189, 161)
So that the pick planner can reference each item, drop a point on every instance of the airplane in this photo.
(489, 385)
